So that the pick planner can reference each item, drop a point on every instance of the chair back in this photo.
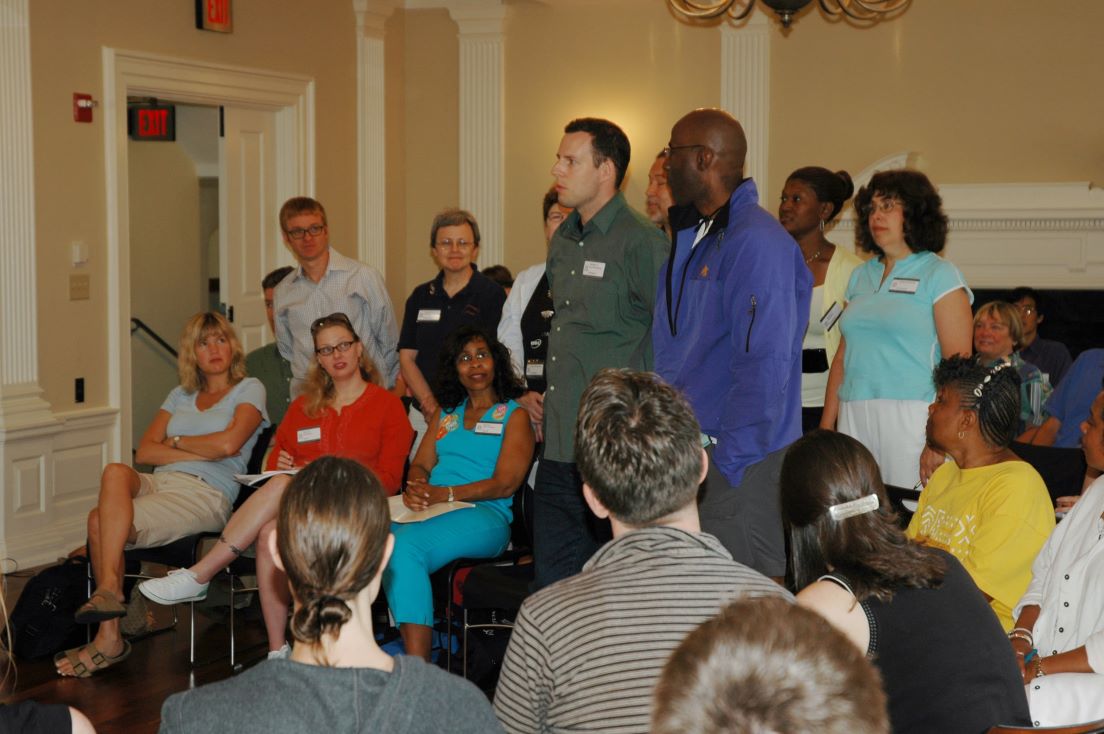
(1063, 469)
(898, 496)
(255, 465)
(1093, 727)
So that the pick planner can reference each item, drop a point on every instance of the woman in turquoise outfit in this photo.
(478, 450)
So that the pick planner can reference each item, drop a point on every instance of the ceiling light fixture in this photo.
(861, 10)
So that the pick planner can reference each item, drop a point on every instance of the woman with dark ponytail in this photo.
(811, 201)
(986, 507)
(333, 541)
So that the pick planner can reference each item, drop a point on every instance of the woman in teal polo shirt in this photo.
(907, 309)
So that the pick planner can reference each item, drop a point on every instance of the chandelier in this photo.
(860, 10)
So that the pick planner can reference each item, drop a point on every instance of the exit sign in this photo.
(213, 15)
(151, 122)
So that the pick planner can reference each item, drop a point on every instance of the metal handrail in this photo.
(139, 325)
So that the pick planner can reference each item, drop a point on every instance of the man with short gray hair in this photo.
(587, 651)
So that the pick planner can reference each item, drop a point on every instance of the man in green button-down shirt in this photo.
(603, 266)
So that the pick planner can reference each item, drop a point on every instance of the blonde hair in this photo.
(198, 328)
(1008, 315)
(318, 387)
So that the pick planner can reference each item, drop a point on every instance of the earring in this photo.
(821, 225)
(961, 435)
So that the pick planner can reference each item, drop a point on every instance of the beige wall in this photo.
(70, 201)
(985, 91)
(167, 278)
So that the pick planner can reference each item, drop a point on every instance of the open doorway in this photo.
(266, 154)
(174, 246)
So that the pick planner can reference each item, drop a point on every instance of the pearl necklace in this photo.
(815, 256)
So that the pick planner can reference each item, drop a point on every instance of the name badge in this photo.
(593, 269)
(831, 316)
(904, 285)
(489, 429)
(309, 435)
(534, 369)
(429, 314)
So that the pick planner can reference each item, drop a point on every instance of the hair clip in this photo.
(861, 506)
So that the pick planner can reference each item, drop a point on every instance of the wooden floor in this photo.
(128, 698)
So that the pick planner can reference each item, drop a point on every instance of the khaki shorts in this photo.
(173, 505)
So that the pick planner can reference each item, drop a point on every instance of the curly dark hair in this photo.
(992, 392)
(450, 393)
(832, 188)
(925, 222)
(826, 468)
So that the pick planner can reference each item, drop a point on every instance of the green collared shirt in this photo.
(603, 277)
(269, 366)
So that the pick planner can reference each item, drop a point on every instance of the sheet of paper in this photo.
(253, 480)
(402, 513)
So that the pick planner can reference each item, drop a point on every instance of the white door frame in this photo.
(289, 96)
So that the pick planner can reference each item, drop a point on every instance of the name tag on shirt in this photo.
(309, 435)
(831, 316)
(429, 314)
(592, 269)
(904, 285)
(489, 429)
(534, 369)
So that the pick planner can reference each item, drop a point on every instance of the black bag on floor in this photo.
(42, 622)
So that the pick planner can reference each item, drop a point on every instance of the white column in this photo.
(371, 16)
(481, 119)
(21, 402)
(745, 90)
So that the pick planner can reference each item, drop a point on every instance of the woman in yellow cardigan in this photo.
(811, 200)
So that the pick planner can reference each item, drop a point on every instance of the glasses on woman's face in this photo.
(479, 355)
(885, 206)
(329, 349)
(334, 319)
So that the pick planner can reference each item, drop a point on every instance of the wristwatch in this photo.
(452, 495)
(176, 442)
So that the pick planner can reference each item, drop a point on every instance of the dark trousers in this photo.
(565, 532)
(747, 518)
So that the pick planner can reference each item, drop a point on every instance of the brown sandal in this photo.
(98, 659)
(100, 607)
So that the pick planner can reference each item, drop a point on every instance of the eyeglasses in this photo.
(885, 206)
(1026, 310)
(341, 347)
(299, 232)
(481, 355)
(447, 244)
(672, 148)
(335, 319)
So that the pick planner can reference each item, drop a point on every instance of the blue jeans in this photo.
(565, 532)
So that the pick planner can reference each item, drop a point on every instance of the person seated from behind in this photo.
(763, 665)
(586, 652)
(332, 541)
(477, 450)
(1068, 407)
(266, 363)
(986, 507)
(342, 411)
(500, 274)
(200, 438)
(998, 332)
(1052, 357)
(914, 611)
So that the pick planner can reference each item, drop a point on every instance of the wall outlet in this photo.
(78, 390)
(79, 286)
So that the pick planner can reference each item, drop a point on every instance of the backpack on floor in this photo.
(42, 622)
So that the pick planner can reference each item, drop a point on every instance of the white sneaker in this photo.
(280, 654)
(179, 586)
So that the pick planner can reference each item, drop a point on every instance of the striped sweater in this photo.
(586, 652)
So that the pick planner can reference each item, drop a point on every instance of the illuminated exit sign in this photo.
(151, 122)
(213, 15)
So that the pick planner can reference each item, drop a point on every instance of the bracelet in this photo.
(451, 495)
(1021, 633)
(176, 442)
(1039, 672)
(1032, 653)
